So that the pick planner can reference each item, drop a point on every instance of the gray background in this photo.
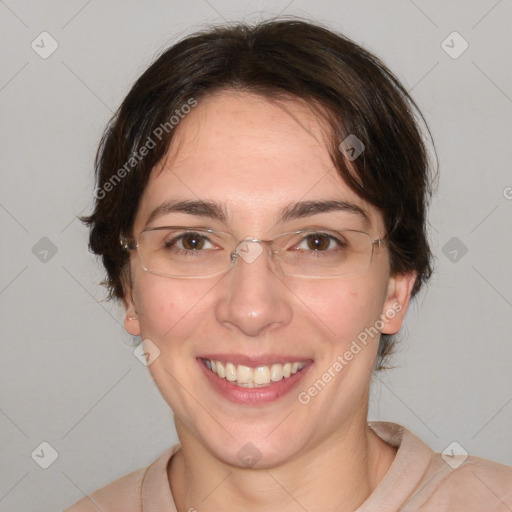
(69, 376)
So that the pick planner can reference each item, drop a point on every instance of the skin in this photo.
(320, 456)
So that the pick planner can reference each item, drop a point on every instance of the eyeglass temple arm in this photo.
(129, 244)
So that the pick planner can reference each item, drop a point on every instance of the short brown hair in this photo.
(356, 93)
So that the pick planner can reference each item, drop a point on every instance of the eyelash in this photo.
(337, 241)
(171, 244)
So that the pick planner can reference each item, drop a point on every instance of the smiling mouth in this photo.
(249, 377)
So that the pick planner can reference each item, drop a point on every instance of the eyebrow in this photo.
(198, 208)
(308, 208)
(214, 210)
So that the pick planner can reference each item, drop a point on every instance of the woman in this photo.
(260, 211)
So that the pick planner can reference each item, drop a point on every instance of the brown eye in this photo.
(192, 241)
(318, 242)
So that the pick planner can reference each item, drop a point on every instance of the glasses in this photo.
(185, 252)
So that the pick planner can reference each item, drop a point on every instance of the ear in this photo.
(131, 320)
(397, 301)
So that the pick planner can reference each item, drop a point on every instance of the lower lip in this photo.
(253, 396)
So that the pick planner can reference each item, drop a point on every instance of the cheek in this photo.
(160, 303)
(170, 309)
(155, 307)
(345, 307)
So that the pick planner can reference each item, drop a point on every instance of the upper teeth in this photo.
(253, 377)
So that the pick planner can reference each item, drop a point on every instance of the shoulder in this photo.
(122, 495)
(127, 494)
(422, 480)
(481, 477)
(476, 484)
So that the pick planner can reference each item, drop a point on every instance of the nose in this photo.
(254, 300)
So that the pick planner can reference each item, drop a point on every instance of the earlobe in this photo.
(131, 320)
(131, 323)
(397, 301)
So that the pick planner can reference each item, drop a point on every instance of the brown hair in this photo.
(356, 93)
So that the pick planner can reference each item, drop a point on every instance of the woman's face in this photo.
(256, 160)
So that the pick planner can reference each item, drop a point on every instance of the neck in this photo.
(338, 474)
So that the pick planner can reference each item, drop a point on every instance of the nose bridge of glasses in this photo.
(249, 249)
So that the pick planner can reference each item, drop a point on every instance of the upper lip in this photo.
(265, 360)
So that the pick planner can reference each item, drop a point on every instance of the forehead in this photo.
(251, 154)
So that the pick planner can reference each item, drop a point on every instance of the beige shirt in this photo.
(418, 480)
